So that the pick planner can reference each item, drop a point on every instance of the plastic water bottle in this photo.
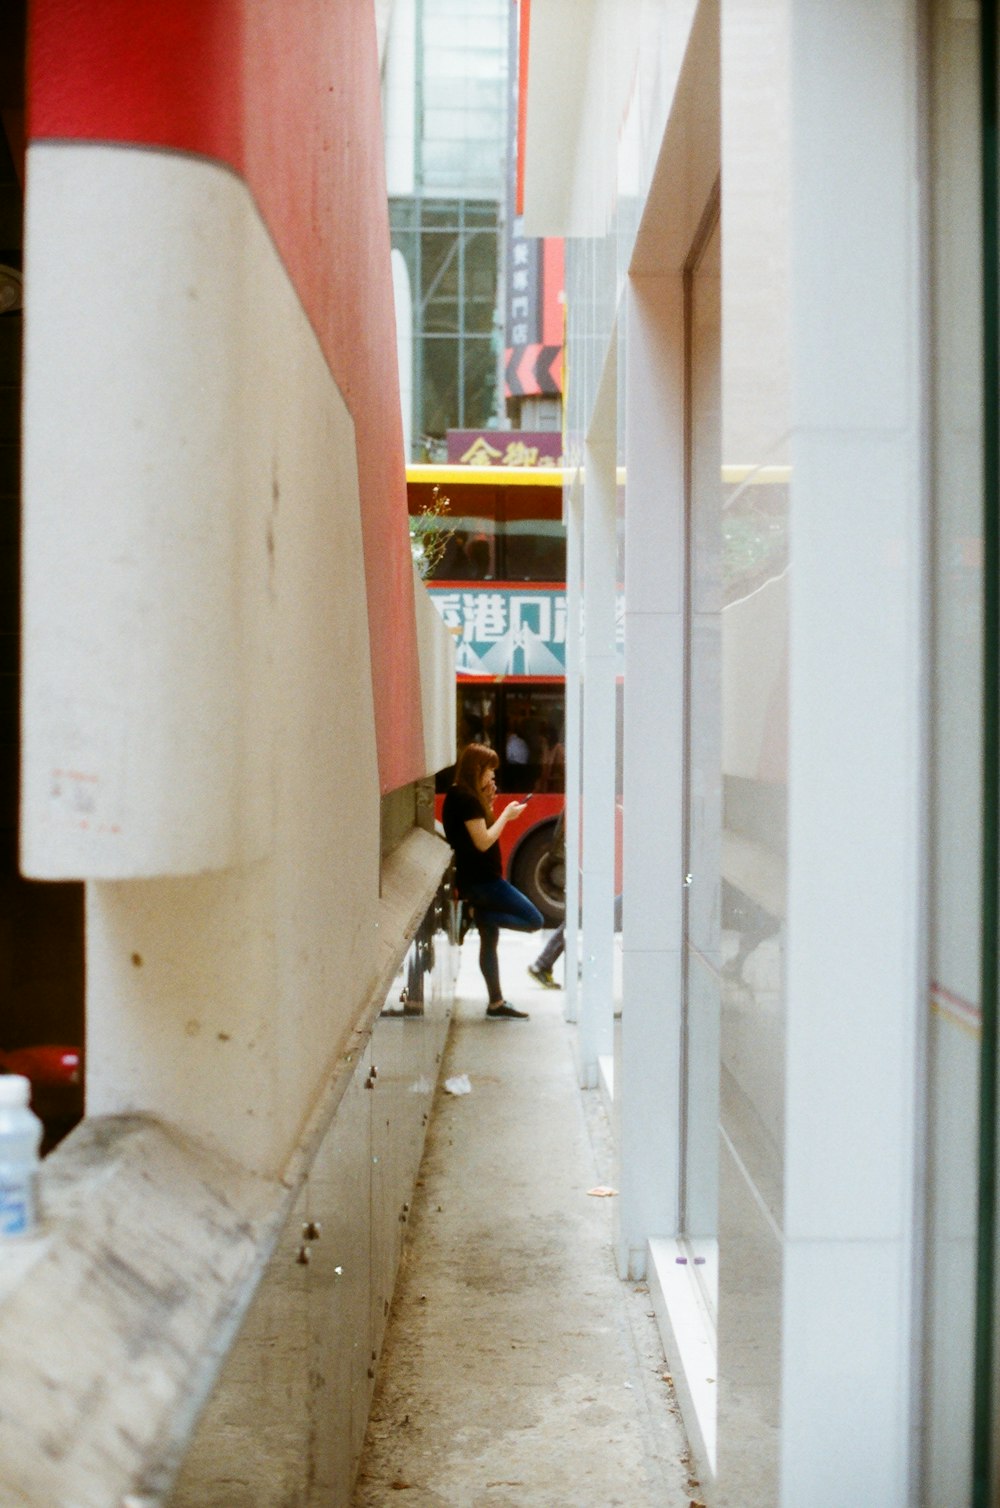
(20, 1138)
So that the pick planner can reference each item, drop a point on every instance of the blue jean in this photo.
(498, 905)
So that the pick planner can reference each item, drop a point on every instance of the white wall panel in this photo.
(173, 520)
(846, 1359)
(856, 968)
(197, 652)
(436, 650)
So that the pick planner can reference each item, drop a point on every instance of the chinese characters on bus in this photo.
(506, 631)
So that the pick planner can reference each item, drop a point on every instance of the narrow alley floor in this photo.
(517, 1368)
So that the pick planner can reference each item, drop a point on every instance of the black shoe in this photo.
(505, 1012)
(543, 976)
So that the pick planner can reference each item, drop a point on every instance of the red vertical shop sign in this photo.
(534, 267)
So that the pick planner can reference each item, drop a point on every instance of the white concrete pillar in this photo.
(647, 1076)
(402, 296)
(857, 987)
(573, 509)
(399, 99)
(598, 761)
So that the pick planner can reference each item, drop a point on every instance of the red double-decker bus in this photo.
(500, 585)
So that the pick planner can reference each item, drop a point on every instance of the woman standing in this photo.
(474, 834)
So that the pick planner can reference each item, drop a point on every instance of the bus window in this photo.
(496, 530)
(533, 757)
(477, 715)
(523, 722)
(534, 550)
(477, 550)
(468, 553)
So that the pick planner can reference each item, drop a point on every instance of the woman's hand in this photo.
(484, 837)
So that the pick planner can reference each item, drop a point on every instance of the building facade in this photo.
(781, 357)
(444, 88)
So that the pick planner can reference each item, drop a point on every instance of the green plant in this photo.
(429, 539)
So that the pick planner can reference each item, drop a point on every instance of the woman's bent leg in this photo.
(507, 907)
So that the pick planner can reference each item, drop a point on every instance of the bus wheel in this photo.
(541, 875)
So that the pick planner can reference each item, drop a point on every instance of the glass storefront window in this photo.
(750, 543)
(703, 726)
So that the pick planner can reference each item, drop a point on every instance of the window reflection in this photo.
(955, 805)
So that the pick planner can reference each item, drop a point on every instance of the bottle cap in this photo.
(14, 1089)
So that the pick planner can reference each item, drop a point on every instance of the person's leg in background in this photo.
(541, 969)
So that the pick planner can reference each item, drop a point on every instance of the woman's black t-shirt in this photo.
(472, 865)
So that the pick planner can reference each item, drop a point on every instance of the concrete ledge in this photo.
(112, 1335)
(410, 876)
(115, 1320)
(689, 1342)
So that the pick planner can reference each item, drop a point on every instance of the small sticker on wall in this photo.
(75, 799)
(84, 786)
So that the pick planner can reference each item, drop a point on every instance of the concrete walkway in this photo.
(518, 1369)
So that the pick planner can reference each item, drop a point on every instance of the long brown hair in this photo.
(473, 760)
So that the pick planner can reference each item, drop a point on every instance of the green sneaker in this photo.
(543, 976)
